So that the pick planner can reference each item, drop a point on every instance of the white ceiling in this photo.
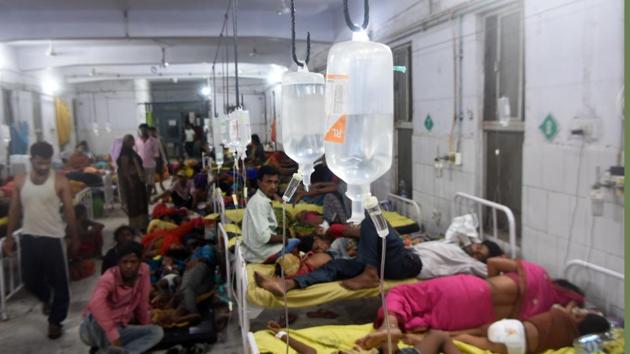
(89, 36)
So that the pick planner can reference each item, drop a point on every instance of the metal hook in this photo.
(308, 40)
(366, 16)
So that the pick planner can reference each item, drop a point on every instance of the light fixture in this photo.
(205, 91)
(50, 86)
(164, 62)
(175, 80)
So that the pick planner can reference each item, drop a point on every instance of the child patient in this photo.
(551, 330)
(324, 249)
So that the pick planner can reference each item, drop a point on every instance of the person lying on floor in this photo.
(261, 241)
(182, 192)
(551, 330)
(359, 273)
(90, 234)
(434, 342)
(463, 301)
(123, 234)
(121, 296)
(197, 277)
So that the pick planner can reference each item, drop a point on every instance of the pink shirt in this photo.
(113, 304)
(148, 150)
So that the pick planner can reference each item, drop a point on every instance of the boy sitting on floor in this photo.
(123, 234)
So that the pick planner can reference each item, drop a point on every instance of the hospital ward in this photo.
(312, 176)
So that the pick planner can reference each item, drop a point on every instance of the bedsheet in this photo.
(311, 296)
(330, 339)
(395, 219)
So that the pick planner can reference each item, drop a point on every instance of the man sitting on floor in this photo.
(121, 295)
(261, 243)
(360, 273)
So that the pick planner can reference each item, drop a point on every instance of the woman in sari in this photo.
(132, 186)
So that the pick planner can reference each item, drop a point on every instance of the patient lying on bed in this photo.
(324, 250)
(463, 301)
(553, 330)
(362, 273)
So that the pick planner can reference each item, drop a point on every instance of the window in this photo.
(402, 84)
(503, 64)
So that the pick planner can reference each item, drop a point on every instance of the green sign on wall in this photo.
(428, 122)
(549, 127)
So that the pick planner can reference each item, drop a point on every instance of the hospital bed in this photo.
(329, 339)
(252, 300)
(11, 267)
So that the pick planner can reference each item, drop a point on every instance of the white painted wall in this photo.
(574, 67)
(574, 58)
(103, 104)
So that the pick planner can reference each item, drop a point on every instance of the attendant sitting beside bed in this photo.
(261, 241)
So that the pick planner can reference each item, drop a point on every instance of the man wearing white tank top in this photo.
(37, 199)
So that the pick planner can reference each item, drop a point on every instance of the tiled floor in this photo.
(25, 331)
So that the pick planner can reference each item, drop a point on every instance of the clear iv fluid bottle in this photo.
(359, 109)
(303, 119)
(217, 140)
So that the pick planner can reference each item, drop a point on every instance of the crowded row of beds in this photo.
(251, 300)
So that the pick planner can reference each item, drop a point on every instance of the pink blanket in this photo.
(449, 303)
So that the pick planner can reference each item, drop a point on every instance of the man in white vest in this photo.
(36, 200)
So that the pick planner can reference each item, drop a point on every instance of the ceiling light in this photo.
(164, 62)
(50, 86)
(205, 91)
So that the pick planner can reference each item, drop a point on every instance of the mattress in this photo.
(311, 296)
(331, 339)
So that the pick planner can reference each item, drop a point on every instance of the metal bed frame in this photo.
(472, 202)
(407, 207)
(581, 264)
(12, 265)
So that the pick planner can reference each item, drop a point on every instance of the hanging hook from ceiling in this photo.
(308, 40)
(366, 16)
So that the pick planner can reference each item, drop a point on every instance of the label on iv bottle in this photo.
(337, 133)
(336, 94)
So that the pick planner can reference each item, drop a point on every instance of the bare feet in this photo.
(378, 338)
(270, 284)
(368, 279)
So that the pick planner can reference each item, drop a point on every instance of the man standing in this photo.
(122, 295)
(261, 241)
(37, 197)
(162, 160)
(149, 150)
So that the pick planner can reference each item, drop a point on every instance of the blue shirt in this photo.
(204, 252)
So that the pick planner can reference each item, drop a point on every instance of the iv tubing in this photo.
(284, 284)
